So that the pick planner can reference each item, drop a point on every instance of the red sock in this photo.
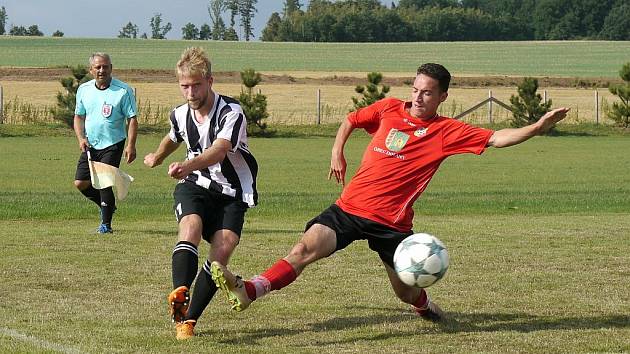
(277, 277)
(280, 274)
(422, 301)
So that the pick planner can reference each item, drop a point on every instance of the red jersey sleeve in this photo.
(460, 138)
(369, 118)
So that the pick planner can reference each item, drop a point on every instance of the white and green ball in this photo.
(421, 260)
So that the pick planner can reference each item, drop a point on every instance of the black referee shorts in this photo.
(349, 228)
(217, 211)
(111, 155)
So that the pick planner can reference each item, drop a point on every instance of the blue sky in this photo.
(104, 19)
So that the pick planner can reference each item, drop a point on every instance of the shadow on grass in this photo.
(455, 323)
(498, 322)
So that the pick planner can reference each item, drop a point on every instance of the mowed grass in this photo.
(549, 58)
(537, 234)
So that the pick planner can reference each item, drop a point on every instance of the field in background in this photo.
(550, 58)
(297, 103)
(537, 233)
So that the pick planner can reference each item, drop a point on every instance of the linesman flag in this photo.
(104, 176)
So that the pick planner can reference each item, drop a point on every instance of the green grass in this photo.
(537, 234)
(551, 58)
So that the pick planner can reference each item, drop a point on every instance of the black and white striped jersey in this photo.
(236, 174)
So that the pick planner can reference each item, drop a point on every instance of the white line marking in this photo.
(38, 342)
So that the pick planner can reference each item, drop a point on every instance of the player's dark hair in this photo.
(438, 72)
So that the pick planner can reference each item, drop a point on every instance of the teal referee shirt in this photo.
(106, 112)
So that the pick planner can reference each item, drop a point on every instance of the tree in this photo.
(620, 111)
(33, 30)
(205, 33)
(246, 10)
(128, 31)
(157, 30)
(616, 25)
(272, 30)
(17, 31)
(230, 34)
(421, 4)
(3, 20)
(290, 6)
(64, 112)
(254, 105)
(232, 7)
(370, 91)
(527, 107)
(215, 9)
(190, 31)
(57, 33)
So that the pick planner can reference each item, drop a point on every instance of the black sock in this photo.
(203, 293)
(108, 205)
(92, 194)
(184, 269)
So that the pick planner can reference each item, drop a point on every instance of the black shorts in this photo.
(217, 211)
(349, 228)
(111, 155)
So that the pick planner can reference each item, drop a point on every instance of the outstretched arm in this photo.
(166, 147)
(513, 136)
(338, 161)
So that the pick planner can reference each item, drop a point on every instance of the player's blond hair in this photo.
(193, 61)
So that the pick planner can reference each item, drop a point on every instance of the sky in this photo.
(104, 19)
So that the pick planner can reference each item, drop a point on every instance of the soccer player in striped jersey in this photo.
(104, 117)
(216, 184)
(409, 142)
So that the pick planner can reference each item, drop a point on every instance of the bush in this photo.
(620, 111)
(527, 107)
(254, 105)
(370, 91)
(64, 112)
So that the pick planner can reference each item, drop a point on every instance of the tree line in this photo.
(449, 20)
(406, 21)
(32, 30)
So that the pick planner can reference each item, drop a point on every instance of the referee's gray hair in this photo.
(100, 55)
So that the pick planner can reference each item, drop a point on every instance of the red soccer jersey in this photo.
(400, 160)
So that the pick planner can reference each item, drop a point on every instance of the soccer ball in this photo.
(421, 260)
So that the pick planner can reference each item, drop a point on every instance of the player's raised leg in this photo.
(318, 241)
(418, 298)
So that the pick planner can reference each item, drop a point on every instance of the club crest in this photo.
(396, 140)
(107, 110)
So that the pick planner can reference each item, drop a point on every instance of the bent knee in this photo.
(81, 185)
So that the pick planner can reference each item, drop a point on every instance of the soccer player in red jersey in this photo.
(409, 142)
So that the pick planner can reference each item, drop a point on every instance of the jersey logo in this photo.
(106, 110)
(396, 140)
(420, 132)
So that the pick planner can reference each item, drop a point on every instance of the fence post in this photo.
(490, 106)
(319, 106)
(1, 107)
(545, 97)
(596, 107)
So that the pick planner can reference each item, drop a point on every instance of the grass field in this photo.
(550, 58)
(538, 238)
